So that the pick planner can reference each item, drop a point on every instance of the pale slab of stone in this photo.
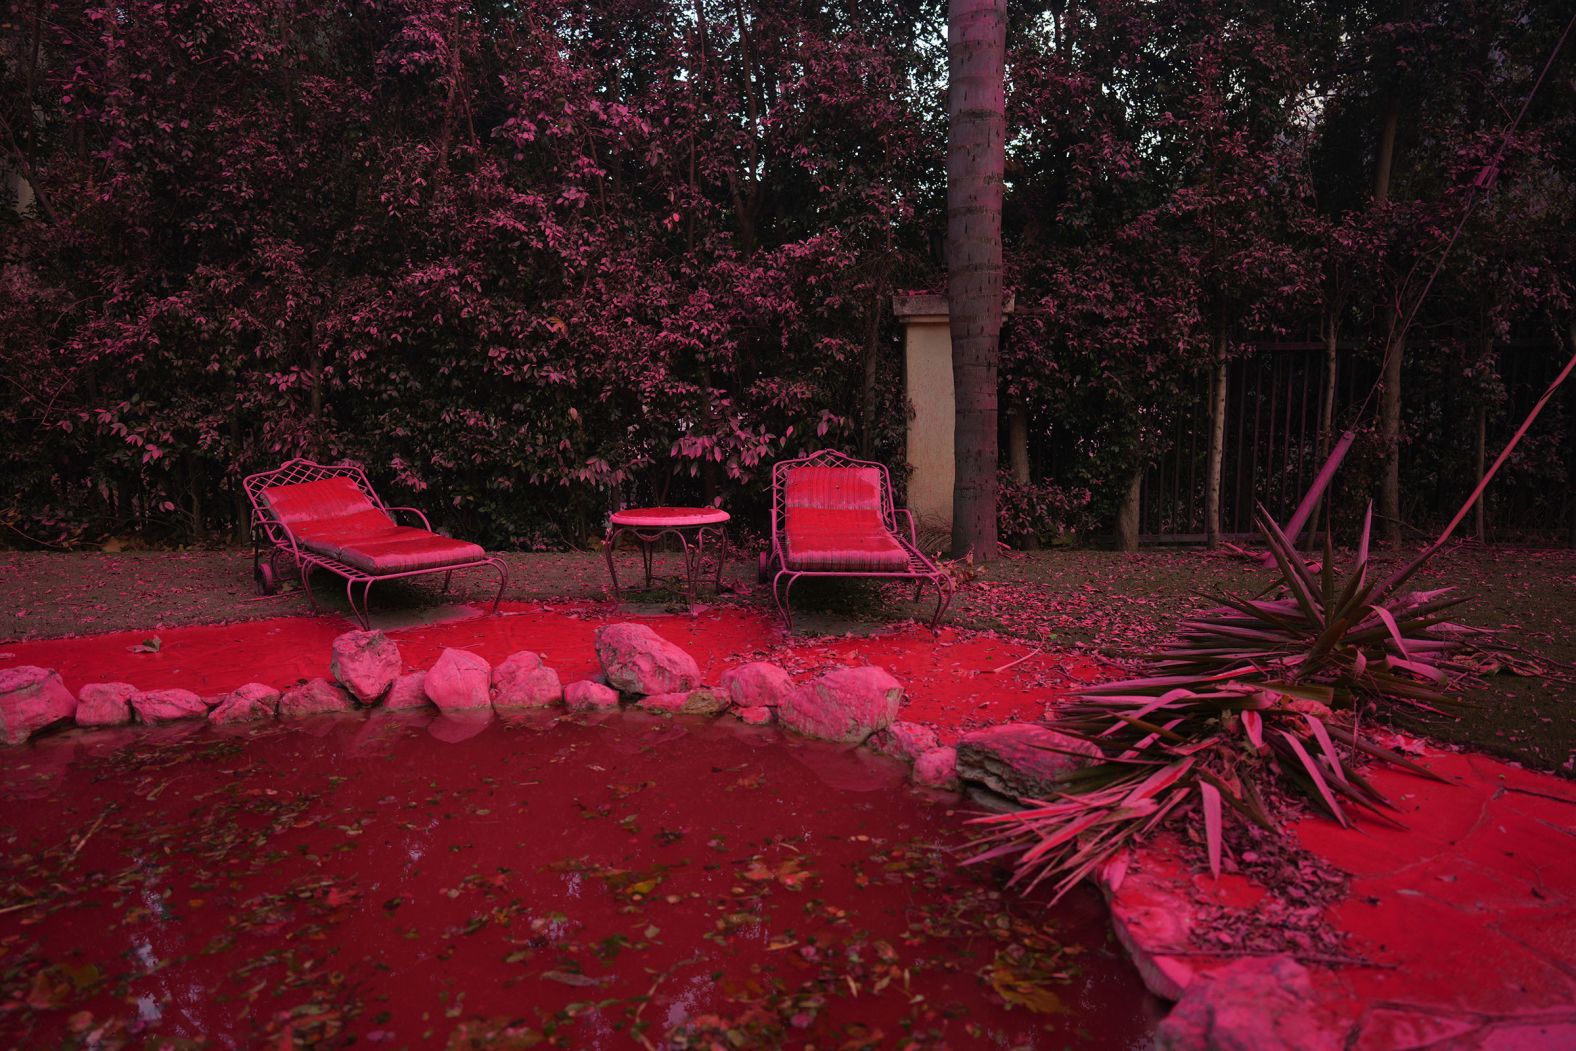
(692, 702)
(105, 704)
(523, 681)
(637, 660)
(366, 663)
(847, 704)
(588, 696)
(408, 691)
(937, 768)
(758, 716)
(759, 684)
(162, 706)
(246, 704)
(32, 699)
(1021, 760)
(903, 740)
(315, 697)
(1249, 1004)
(459, 681)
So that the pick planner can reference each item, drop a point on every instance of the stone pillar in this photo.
(927, 361)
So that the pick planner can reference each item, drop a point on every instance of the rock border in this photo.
(854, 705)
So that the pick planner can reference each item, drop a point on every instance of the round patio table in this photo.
(694, 527)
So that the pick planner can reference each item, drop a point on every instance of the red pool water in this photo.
(419, 881)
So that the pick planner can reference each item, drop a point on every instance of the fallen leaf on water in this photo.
(578, 980)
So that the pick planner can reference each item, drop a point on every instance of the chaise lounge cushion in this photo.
(313, 501)
(333, 517)
(833, 523)
(409, 550)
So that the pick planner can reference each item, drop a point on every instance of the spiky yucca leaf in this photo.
(1256, 690)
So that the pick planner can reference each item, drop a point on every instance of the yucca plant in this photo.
(1257, 688)
(1253, 692)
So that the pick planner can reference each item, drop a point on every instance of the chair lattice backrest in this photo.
(299, 472)
(829, 490)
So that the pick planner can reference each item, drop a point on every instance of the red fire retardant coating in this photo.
(948, 679)
(833, 522)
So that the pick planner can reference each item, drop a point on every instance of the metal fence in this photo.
(1272, 447)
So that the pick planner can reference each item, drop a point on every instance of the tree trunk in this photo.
(1217, 444)
(868, 391)
(315, 394)
(1390, 438)
(1018, 459)
(1478, 524)
(976, 117)
(1390, 390)
(1332, 360)
(1332, 343)
(1127, 514)
(241, 530)
(1018, 441)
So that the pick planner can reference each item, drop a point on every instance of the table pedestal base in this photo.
(692, 541)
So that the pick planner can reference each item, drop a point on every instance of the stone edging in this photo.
(852, 705)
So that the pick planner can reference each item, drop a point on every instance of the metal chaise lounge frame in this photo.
(276, 537)
(872, 538)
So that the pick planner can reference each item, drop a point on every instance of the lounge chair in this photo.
(832, 516)
(329, 517)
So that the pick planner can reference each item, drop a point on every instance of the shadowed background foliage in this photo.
(528, 260)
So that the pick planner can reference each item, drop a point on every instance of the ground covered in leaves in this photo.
(409, 879)
(1114, 605)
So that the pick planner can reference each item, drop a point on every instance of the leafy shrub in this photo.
(1041, 511)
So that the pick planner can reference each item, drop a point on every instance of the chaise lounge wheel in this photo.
(763, 568)
(267, 583)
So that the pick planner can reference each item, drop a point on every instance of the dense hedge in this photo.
(525, 260)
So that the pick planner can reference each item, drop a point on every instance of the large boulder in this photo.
(105, 704)
(523, 681)
(1021, 760)
(408, 691)
(366, 663)
(588, 696)
(246, 704)
(31, 699)
(937, 768)
(163, 706)
(314, 697)
(459, 681)
(759, 684)
(703, 701)
(1250, 1004)
(637, 660)
(847, 704)
(905, 741)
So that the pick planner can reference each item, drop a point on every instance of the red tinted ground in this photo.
(416, 880)
(1467, 915)
(950, 680)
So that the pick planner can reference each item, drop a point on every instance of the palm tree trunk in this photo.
(976, 112)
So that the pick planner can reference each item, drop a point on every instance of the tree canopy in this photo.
(524, 260)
